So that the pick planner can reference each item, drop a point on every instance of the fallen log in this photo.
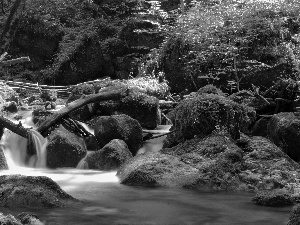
(55, 118)
(16, 128)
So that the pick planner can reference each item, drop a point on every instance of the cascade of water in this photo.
(15, 146)
(40, 143)
(82, 165)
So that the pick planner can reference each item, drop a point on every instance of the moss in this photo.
(205, 113)
(210, 89)
(275, 197)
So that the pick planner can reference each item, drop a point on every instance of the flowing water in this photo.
(106, 201)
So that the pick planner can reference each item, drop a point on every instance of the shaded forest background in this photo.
(230, 44)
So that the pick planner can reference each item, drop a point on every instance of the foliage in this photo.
(210, 89)
(208, 41)
(204, 113)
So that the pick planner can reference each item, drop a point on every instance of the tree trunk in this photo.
(55, 118)
(11, 25)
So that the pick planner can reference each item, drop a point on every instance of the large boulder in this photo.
(273, 198)
(121, 127)
(138, 105)
(65, 149)
(284, 131)
(215, 162)
(110, 157)
(204, 113)
(32, 192)
(21, 219)
(295, 216)
(156, 169)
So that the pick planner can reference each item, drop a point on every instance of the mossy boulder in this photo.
(121, 127)
(156, 169)
(110, 157)
(273, 198)
(138, 105)
(23, 218)
(284, 130)
(65, 149)
(32, 192)
(204, 113)
(295, 216)
(215, 162)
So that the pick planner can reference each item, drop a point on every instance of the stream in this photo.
(107, 202)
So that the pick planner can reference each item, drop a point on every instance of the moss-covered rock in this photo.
(215, 162)
(273, 198)
(295, 216)
(121, 127)
(65, 149)
(155, 169)
(110, 157)
(32, 192)
(205, 113)
(139, 106)
(283, 130)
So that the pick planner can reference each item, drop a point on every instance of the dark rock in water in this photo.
(138, 105)
(65, 149)
(273, 198)
(110, 157)
(284, 131)
(29, 219)
(204, 113)
(91, 143)
(156, 169)
(11, 107)
(121, 127)
(9, 220)
(3, 162)
(295, 216)
(32, 192)
(260, 128)
(215, 162)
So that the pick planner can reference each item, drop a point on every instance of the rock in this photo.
(11, 107)
(156, 169)
(64, 149)
(260, 127)
(9, 220)
(210, 89)
(29, 219)
(32, 192)
(110, 157)
(273, 198)
(121, 127)
(204, 113)
(138, 105)
(79, 90)
(91, 143)
(215, 162)
(249, 99)
(284, 131)
(295, 216)
(6, 92)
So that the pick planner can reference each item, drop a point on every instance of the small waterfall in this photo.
(83, 165)
(40, 143)
(15, 149)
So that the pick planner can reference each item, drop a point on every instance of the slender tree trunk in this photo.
(11, 25)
